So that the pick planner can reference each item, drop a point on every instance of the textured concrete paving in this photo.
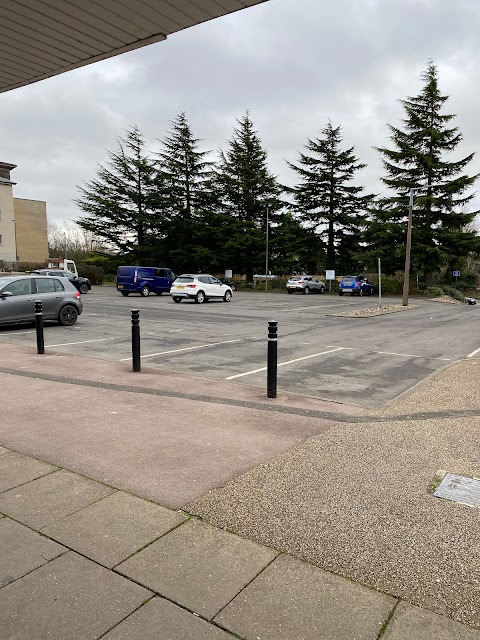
(23, 550)
(271, 610)
(198, 566)
(112, 529)
(16, 469)
(355, 501)
(51, 497)
(160, 619)
(70, 597)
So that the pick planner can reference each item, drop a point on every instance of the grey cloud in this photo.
(293, 63)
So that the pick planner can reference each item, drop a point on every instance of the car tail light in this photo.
(300, 282)
(135, 278)
(78, 295)
(191, 286)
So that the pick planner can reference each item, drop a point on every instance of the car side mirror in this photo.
(6, 294)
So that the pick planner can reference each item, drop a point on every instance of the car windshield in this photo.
(4, 281)
(184, 279)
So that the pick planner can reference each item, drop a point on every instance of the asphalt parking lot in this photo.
(361, 361)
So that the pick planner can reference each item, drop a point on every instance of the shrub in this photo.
(453, 293)
(391, 286)
(433, 292)
(94, 274)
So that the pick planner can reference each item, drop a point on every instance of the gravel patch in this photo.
(448, 299)
(454, 388)
(374, 311)
(355, 501)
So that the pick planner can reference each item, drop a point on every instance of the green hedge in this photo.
(93, 273)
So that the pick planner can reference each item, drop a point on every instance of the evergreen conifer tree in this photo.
(245, 191)
(182, 189)
(418, 160)
(121, 203)
(326, 200)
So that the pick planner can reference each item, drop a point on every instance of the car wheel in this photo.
(200, 297)
(177, 299)
(360, 293)
(125, 293)
(83, 288)
(68, 315)
(144, 291)
(340, 293)
(228, 296)
(289, 291)
(306, 291)
(322, 290)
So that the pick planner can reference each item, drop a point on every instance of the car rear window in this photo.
(125, 271)
(349, 279)
(184, 279)
(296, 278)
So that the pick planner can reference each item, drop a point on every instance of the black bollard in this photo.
(272, 359)
(136, 340)
(39, 326)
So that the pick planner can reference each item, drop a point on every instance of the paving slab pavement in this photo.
(113, 528)
(271, 610)
(68, 598)
(16, 469)
(253, 592)
(80, 598)
(167, 450)
(23, 550)
(198, 566)
(51, 497)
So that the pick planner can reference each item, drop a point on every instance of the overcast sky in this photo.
(293, 63)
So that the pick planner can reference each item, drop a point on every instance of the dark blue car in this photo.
(144, 280)
(355, 286)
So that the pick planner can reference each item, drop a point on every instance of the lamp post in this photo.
(406, 279)
(266, 255)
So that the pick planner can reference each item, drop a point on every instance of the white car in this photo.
(200, 287)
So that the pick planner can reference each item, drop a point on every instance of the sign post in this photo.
(379, 283)
(330, 275)
(456, 275)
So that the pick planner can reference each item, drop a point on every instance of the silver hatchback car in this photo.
(305, 285)
(60, 299)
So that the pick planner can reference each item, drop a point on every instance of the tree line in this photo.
(177, 207)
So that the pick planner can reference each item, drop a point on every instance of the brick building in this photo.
(23, 224)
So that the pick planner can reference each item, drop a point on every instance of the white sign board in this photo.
(330, 274)
(228, 273)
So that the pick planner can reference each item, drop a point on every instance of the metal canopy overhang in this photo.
(42, 38)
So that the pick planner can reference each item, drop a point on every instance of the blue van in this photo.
(144, 280)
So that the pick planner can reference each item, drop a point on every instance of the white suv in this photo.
(200, 287)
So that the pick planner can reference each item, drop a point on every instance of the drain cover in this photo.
(459, 489)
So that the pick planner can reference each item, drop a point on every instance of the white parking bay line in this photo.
(67, 344)
(200, 346)
(474, 353)
(282, 364)
(410, 355)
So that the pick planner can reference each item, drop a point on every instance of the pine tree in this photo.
(246, 192)
(418, 161)
(121, 203)
(326, 200)
(182, 181)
